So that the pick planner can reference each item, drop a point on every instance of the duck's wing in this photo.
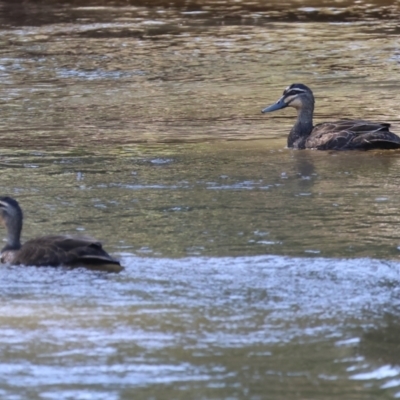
(352, 135)
(63, 250)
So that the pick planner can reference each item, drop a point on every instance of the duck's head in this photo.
(10, 213)
(296, 95)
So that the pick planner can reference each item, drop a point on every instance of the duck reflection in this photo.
(382, 344)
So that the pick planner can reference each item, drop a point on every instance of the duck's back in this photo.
(55, 250)
(352, 135)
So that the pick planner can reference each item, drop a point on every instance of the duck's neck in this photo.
(13, 236)
(302, 128)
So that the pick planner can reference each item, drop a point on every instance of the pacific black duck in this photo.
(51, 250)
(340, 135)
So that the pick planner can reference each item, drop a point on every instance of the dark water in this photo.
(252, 271)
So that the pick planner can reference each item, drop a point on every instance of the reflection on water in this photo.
(224, 327)
(219, 199)
(186, 81)
(126, 122)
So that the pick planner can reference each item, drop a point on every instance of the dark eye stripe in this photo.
(293, 92)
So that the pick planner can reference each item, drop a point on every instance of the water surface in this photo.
(252, 271)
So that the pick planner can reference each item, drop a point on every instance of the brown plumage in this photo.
(340, 135)
(51, 250)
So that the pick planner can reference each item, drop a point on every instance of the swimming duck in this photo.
(340, 135)
(52, 250)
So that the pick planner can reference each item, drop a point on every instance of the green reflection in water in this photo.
(223, 198)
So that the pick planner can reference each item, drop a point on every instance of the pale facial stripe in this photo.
(293, 91)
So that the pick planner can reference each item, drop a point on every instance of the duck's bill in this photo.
(276, 106)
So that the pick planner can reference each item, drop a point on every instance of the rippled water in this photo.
(251, 271)
(231, 327)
